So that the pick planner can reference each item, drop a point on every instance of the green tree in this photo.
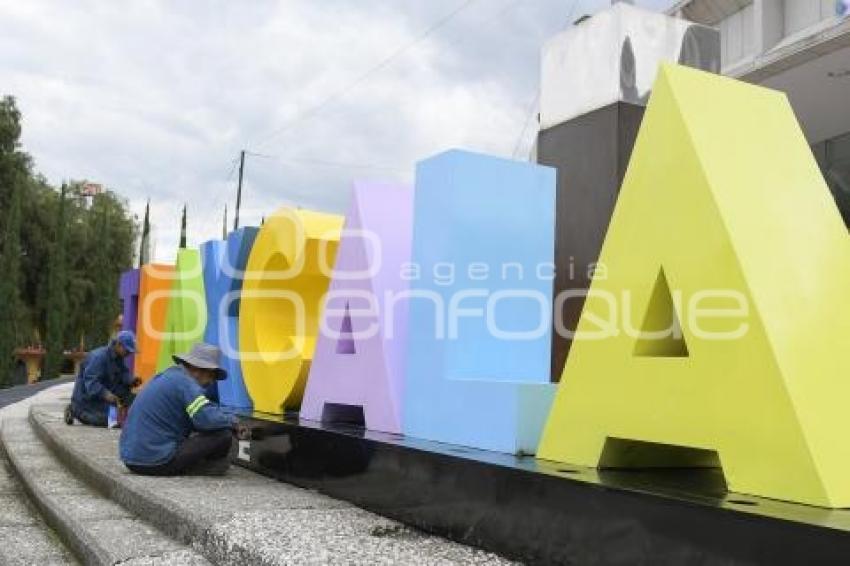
(109, 253)
(104, 298)
(10, 296)
(61, 254)
(38, 215)
(57, 287)
(100, 239)
(14, 169)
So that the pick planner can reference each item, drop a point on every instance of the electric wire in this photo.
(533, 107)
(368, 74)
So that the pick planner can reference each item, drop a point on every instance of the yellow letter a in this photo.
(725, 224)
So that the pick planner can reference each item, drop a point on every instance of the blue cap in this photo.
(127, 339)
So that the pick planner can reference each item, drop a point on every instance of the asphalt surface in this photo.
(20, 392)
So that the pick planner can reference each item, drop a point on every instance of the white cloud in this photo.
(155, 98)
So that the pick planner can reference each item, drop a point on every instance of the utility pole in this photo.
(183, 229)
(239, 189)
(224, 224)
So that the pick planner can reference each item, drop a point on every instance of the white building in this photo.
(801, 47)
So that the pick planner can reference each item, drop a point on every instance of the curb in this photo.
(87, 549)
(156, 510)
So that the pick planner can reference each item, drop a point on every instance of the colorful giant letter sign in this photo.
(128, 290)
(286, 278)
(224, 266)
(155, 281)
(479, 326)
(725, 224)
(187, 309)
(359, 359)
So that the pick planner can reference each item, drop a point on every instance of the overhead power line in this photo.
(336, 164)
(233, 163)
(529, 113)
(533, 109)
(368, 74)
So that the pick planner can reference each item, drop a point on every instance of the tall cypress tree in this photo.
(10, 281)
(14, 176)
(57, 304)
(104, 303)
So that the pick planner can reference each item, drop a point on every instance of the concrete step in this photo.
(244, 518)
(24, 538)
(97, 530)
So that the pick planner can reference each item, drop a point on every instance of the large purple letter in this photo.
(128, 290)
(359, 358)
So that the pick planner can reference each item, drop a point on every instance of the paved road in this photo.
(21, 392)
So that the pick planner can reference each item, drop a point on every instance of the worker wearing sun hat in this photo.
(173, 428)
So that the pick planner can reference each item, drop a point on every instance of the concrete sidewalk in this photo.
(24, 536)
(242, 518)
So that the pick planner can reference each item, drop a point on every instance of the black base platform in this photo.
(542, 512)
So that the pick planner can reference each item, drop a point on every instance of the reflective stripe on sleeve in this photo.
(196, 405)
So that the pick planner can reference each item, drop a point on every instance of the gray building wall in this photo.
(762, 37)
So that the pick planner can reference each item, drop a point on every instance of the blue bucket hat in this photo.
(127, 339)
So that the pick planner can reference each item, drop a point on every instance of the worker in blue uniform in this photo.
(173, 428)
(103, 380)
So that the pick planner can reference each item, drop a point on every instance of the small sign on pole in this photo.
(91, 189)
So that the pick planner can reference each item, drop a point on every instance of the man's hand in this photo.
(110, 397)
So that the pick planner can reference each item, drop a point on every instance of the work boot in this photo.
(69, 415)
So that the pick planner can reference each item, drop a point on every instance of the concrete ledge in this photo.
(140, 502)
(97, 530)
(245, 518)
(89, 551)
(25, 538)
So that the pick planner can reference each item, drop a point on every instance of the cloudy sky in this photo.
(156, 98)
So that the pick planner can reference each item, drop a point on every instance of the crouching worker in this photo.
(103, 380)
(173, 428)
